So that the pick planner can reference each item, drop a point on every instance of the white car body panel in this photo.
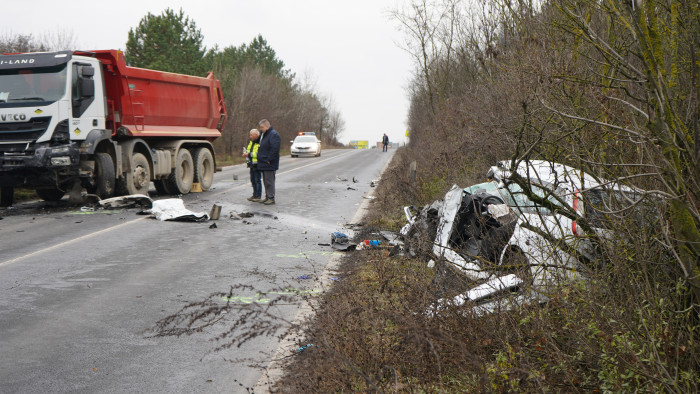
(448, 212)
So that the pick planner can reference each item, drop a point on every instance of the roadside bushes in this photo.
(606, 87)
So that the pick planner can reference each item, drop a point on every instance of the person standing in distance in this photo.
(385, 143)
(268, 159)
(251, 157)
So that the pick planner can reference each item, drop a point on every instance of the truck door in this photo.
(87, 99)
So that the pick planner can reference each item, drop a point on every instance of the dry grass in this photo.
(629, 328)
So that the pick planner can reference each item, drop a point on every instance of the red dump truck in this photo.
(84, 119)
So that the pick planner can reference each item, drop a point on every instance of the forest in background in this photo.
(256, 83)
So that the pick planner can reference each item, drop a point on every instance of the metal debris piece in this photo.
(215, 212)
(130, 201)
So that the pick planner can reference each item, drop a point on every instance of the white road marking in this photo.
(38, 252)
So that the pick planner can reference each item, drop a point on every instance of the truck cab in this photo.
(49, 105)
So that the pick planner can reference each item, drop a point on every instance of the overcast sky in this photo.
(349, 49)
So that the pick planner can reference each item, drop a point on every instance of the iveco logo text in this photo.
(17, 61)
(10, 117)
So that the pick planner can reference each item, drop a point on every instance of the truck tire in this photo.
(161, 186)
(138, 179)
(50, 193)
(203, 167)
(7, 194)
(104, 175)
(180, 180)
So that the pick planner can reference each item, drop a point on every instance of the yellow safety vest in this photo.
(253, 150)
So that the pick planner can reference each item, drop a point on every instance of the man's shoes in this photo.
(269, 201)
(254, 199)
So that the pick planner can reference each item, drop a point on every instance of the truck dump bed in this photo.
(148, 103)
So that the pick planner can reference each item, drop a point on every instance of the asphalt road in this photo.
(81, 292)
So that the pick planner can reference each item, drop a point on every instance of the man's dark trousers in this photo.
(269, 181)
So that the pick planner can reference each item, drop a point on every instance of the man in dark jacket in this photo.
(268, 159)
(385, 142)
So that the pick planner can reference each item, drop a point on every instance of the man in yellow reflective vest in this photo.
(251, 157)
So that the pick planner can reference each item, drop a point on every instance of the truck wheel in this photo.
(161, 186)
(203, 167)
(50, 194)
(139, 178)
(104, 175)
(7, 194)
(180, 180)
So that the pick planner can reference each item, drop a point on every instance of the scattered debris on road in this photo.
(215, 212)
(239, 216)
(129, 201)
(340, 241)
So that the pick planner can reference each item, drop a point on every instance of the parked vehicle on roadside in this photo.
(75, 119)
(306, 144)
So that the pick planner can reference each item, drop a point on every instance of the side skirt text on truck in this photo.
(72, 119)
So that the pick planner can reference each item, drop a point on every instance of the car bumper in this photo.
(304, 153)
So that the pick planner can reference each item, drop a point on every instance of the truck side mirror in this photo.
(87, 88)
(88, 71)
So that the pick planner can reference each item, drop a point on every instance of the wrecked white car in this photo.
(558, 218)
(535, 221)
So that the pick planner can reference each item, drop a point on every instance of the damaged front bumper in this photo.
(40, 165)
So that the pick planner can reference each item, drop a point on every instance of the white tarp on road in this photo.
(174, 209)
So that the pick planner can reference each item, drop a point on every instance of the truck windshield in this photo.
(17, 87)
